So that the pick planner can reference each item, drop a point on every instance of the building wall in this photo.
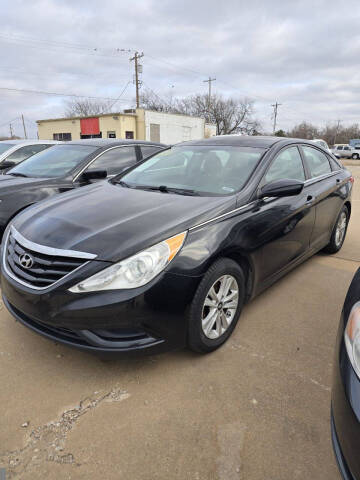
(118, 123)
(48, 128)
(173, 128)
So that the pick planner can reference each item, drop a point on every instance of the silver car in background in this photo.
(12, 152)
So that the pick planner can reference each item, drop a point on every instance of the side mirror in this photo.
(281, 188)
(94, 175)
(7, 164)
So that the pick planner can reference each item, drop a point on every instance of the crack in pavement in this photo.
(47, 442)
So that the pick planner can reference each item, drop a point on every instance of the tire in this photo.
(355, 156)
(223, 273)
(339, 232)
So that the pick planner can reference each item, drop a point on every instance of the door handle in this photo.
(309, 199)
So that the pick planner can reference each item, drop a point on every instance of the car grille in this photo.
(42, 270)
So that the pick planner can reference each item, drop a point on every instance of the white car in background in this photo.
(12, 152)
(322, 143)
(343, 150)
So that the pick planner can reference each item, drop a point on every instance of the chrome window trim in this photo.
(243, 207)
(99, 155)
(309, 181)
(28, 285)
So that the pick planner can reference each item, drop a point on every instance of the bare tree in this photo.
(304, 130)
(331, 133)
(230, 115)
(85, 107)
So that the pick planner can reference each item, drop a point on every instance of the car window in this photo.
(346, 148)
(317, 162)
(57, 161)
(148, 150)
(28, 151)
(210, 170)
(5, 146)
(287, 164)
(339, 148)
(114, 160)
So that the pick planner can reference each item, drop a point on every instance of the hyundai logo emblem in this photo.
(26, 260)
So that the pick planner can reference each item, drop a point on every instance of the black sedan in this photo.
(64, 167)
(166, 254)
(345, 412)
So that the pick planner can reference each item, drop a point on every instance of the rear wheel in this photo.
(339, 232)
(216, 306)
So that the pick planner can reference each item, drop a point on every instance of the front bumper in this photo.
(149, 319)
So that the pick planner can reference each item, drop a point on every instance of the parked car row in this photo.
(162, 247)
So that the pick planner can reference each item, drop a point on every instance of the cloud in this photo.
(298, 53)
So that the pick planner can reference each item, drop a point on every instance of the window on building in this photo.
(287, 164)
(129, 135)
(111, 134)
(317, 162)
(154, 132)
(62, 136)
(26, 152)
(148, 150)
(114, 160)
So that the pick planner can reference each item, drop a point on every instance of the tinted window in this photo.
(317, 162)
(216, 170)
(25, 152)
(56, 161)
(346, 148)
(339, 148)
(5, 146)
(287, 164)
(148, 150)
(114, 160)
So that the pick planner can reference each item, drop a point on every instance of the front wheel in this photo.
(216, 306)
(355, 156)
(339, 232)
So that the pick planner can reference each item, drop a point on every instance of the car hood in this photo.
(114, 222)
(8, 182)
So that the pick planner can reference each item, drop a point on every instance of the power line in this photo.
(121, 94)
(61, 94)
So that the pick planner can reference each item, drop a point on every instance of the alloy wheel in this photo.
(220, 306)
(340, 229)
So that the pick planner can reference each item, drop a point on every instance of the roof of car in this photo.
(242, 141)
(27, 142)
(104, 142)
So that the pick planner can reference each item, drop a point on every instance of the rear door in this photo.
(284, 224)
(325, 183)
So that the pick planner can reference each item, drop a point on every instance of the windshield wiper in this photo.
(165, 189)
(122, 183)
(16, 174)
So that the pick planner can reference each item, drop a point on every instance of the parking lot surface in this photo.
(258, 408)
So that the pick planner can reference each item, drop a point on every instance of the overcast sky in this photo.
(303, 54)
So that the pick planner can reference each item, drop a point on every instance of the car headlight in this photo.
(134, 271)
(352, 337)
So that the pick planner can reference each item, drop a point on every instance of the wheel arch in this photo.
(348, 206)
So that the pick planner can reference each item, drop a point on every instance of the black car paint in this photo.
(17, 193)
(345, 412)
(268, 237)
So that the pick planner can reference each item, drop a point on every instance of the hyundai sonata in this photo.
(166, 254)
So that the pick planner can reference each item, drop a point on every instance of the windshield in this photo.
(214, 170)
(5, 146)
(56, 161)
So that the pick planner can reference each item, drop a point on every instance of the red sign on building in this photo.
(89, 126)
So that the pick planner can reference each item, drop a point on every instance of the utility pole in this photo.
(23, 122)
(11, 131)
(138, 70)
(337, 130)
(209, 81)
(275, 105)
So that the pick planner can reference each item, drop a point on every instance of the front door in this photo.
(286, 223)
